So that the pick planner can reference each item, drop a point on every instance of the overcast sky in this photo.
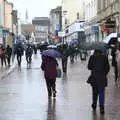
(35, 8)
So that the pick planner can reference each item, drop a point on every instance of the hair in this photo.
(98, 51)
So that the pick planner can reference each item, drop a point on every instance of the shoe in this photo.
(94, 107)
(49, 95)
(102, 109)
(54, 94)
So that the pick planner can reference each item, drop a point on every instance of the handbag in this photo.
(91, 80)
(58, 72)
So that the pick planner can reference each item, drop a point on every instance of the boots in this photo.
(54, 93)
(94, 107)
(102, 109)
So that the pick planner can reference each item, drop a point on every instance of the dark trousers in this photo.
(19, 59)
(3, 60)
(8, 59)
(51, 86)
(29, 58)
(72, 58)
(64, 65)
(98, 92)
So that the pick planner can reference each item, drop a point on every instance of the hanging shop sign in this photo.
(95, 28)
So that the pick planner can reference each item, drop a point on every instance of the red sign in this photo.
(54, 36)
(104, 29)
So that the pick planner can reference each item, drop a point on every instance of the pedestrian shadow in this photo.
(19, 68)
(51, 112)
(29, 66)
(64, 76)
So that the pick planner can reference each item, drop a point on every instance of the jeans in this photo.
(98, 92)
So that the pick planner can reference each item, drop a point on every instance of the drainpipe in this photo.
(4, 40)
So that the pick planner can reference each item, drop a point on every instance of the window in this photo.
(66, 21)
(78, 15)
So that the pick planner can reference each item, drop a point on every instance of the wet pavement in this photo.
(23, 95)
(6, 70)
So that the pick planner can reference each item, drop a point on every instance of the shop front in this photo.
(75, 32)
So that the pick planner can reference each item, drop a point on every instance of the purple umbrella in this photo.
(51, 53)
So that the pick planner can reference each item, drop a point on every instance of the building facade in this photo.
(8, 15)
(1, 13)
(6, 7)
(41, 25)
(27, 30)
(55, 23)
(72, 10)
(15, 21)
(73, 18)
(91, 25)
(108, 16)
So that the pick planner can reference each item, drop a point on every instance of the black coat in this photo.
(99, 66)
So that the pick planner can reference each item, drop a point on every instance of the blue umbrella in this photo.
(72, 42)
(51, 53)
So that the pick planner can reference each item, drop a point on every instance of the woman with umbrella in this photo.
(49, 65)
(99, 66)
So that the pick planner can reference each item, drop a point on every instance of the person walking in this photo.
(99, 66)
(19, 52)
(65, 53)
(72, 52)
(28, 54)
(3, 56)
(8, 54)
(49, 65)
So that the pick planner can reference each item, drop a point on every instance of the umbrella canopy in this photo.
(97, 45)
(111, 38)
(52, 46)
(72, 42)
(43, 47)
(51, 53)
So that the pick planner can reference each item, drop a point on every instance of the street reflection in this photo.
(95, 116)
(29, 66)
(64, 77)
(51, 112)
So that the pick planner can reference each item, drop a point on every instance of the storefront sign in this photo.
(75, 27)
(95, 28)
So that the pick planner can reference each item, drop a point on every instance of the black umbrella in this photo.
(97, 45)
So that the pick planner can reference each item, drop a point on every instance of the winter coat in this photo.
(19, 51)
(9, 51)
(2, 52)
(99, 66)
(29, 51)
(49, 65)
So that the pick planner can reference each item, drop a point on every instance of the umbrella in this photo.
(97, 45)
(72, 42)
(111, 38)
(51, 53)
(43, 47)
(52, 46)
